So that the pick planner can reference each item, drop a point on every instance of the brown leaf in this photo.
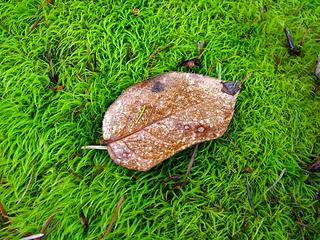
(315, 166)
(190, 63)
(180, 110)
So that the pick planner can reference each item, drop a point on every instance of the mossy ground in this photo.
(276, 123)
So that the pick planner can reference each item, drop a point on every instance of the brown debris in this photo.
(4, 214)
(46, 223)
(185, 110)
(315, 165)
(292, 49)
(190, 63)
(36, 23)
(114, 217)
(191, 161)
(84, 221)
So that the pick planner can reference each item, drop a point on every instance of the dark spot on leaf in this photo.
(157, 87)
(231, 88)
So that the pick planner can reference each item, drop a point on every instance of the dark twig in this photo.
(4, 213)
(153, 55)
(277, 180)
(53, 228)
(84, 221)
(250, 198)
(191, 161)
(293, 50)
(315, 165)
(114, 217)
(36, 24)
(46, 223)
(95, 61)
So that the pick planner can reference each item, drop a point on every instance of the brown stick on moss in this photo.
(114, 217)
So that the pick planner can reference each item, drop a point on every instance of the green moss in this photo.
(276, 123)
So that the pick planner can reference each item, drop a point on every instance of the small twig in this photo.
(46, 223)
(191, 161)
(35, 236)
(277, 180)
(96, 147)
(95, 61)
(36, 24)
(84, 221)
(246, 78)
(250, 198)
(53, 228)
(161, 50)
(4, 213)
(27, 187)
(114, 217)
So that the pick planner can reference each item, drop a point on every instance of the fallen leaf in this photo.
(190, 63)
(315, 166)
(183, 109)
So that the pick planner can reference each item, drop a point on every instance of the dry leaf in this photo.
(179, 110)
(190, 63)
